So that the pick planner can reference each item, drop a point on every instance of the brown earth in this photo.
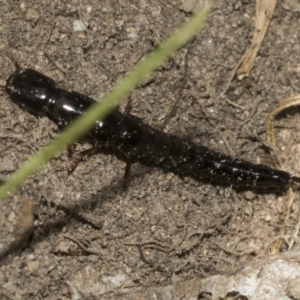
(161, 229)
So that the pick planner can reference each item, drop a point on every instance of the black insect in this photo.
(131, 140)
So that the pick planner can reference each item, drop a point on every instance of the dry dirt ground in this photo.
(162, 229)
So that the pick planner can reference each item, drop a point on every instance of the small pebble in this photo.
(267, 218)
(11, 216)
(79, 25)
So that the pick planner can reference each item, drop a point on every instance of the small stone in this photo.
(11, 216)
(248, 210)
(15, 233)
(249, 195)
(79, 25)
(192, 5)
(32, 266)
(268, 218)
(62, 248)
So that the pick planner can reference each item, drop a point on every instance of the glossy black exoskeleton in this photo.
(131, 140)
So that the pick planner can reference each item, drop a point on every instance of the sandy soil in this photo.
(161, 229)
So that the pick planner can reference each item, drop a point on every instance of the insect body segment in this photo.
(131, 140)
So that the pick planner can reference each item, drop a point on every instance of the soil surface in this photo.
(162, 229)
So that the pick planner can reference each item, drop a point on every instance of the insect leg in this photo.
(126, 175)
(82, 156)
(17, 66)
(128, 105)
(128, 164)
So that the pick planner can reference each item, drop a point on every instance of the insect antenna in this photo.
(17, 65)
